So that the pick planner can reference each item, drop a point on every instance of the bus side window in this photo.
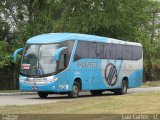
(137, 52)
(99, 52)
(127, 52)
(64, 60)
(92, 50)
(61, 62)
(81, 51)
(114, 51)
(119, 52)
(107, 51)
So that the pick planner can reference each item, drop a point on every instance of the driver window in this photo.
(61, 62)
(64, 60)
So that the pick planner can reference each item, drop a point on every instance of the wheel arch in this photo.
(125, 78)
(78, 79)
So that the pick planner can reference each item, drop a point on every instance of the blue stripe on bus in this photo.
(115, 61)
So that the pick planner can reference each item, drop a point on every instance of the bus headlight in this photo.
(54, 79)
(51, 79)
(22, 79)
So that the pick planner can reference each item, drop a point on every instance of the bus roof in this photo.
(59, 37)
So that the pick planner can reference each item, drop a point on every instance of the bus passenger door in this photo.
(63, 75)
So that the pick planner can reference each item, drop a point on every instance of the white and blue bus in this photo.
(67, 63)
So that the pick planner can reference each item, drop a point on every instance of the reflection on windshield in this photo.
(39, 59)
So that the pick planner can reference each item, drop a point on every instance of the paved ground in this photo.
(34, 99)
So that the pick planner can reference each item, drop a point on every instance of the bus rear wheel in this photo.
(123, 89)
(42, 94)
(96, 92)
(75, 90)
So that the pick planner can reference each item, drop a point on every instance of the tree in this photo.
(131, 20)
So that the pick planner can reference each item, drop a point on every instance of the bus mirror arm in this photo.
(58, 52)
(16, 52)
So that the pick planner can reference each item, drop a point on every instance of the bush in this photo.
(5, 54)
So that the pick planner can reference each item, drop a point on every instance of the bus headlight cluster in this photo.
(44, 80)
(22, 79)
(51, 78)
(54, 79)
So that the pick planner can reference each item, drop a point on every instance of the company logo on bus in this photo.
(111, 74)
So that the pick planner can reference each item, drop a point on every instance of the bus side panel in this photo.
(87, 71)
(95, 73)
(135, 79)
(63, 81)
(92, 73)
(80, 75)
(111, 78)
(133, 70)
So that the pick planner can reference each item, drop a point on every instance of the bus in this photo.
(67, 63)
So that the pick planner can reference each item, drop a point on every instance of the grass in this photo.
(9, 91)
(141, 103)
(151, 84)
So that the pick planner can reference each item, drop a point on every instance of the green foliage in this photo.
(5, 54)
(4, 29)
(131, 20)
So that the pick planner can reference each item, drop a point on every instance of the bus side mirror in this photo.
(58, 52)
(16, 52)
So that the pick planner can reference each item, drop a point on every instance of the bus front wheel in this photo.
(75, 90)
(42, 94)
(123, 89)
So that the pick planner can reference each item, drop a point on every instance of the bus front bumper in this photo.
(54, 87)
(51, 87)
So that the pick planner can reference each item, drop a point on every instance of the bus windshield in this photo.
(39, 59)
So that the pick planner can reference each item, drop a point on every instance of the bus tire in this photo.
(75, 90)
(96, 92)
(42, 94)
(123, 89)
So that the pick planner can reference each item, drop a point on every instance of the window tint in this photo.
(114, 51)
(95, 50)
(69, 44)
(89, 50)
(65, 54)
(127, 52)
(137, 52)
(100, 49)
(119, 52)
(81, 51)
(107, 51)
(92, 50)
